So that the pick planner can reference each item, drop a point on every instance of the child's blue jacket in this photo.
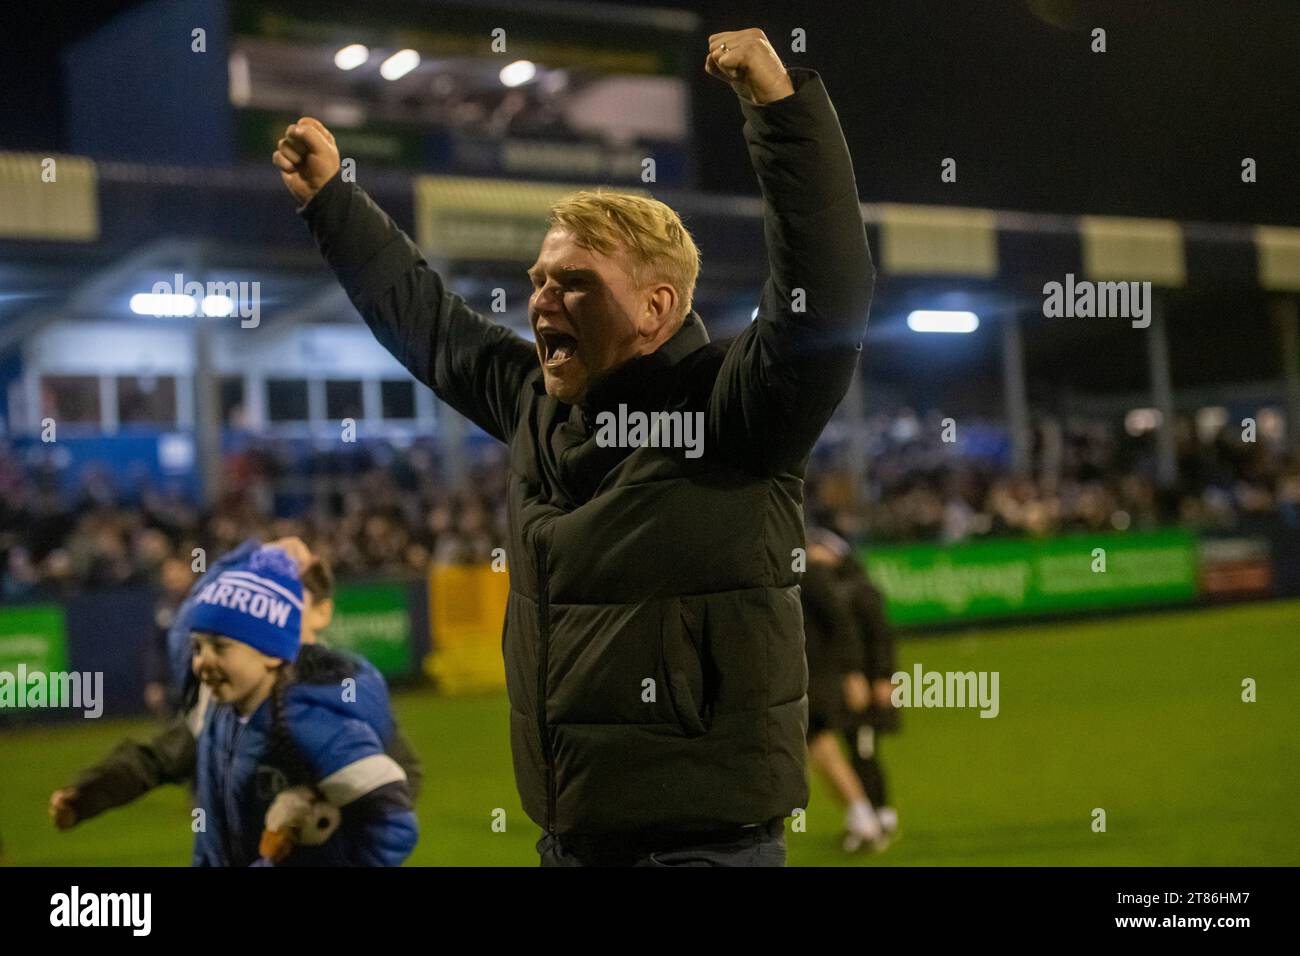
(339, 732)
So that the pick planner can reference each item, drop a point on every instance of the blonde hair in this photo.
(657, 245)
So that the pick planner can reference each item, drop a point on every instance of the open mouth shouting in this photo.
(557, 348)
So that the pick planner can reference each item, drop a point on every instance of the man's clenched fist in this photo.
(306, 157)
(744, 59)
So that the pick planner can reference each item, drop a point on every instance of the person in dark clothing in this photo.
(837, 691)
(653, 638)
(831, 646)
(874, 639)
(169, 757)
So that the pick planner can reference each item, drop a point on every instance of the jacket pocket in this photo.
(605, 664)
(682, 657)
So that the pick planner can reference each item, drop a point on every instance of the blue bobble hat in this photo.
(257, 601)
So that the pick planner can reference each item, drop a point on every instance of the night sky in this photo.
(1157, 126)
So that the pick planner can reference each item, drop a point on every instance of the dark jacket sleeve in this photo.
(831, 636)
(474, 365)
(868, 608)
(133, 769)
(400, 749)
(783, 377)
(832, 646)
(844, 647)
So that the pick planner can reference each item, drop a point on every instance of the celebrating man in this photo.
(653, 637)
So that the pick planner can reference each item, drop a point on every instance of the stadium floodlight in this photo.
(219, 306)
(351, 56)
(399, 64)
(518, 73)
(158, 304)
(940, 320)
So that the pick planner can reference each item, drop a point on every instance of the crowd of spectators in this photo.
(370, 511)
(1079, 477)
(383, 510)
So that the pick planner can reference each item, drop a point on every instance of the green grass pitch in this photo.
(1141, 716)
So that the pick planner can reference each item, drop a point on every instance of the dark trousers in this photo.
(759, 845)
(864, 743)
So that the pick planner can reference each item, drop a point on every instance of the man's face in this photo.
(587, 315)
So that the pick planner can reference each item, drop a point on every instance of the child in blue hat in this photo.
(291, 767)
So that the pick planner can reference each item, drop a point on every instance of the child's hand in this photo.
(62, 813)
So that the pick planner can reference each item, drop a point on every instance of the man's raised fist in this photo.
(745, 60)
(306, 157)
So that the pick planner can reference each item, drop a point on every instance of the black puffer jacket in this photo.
(653, 639)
